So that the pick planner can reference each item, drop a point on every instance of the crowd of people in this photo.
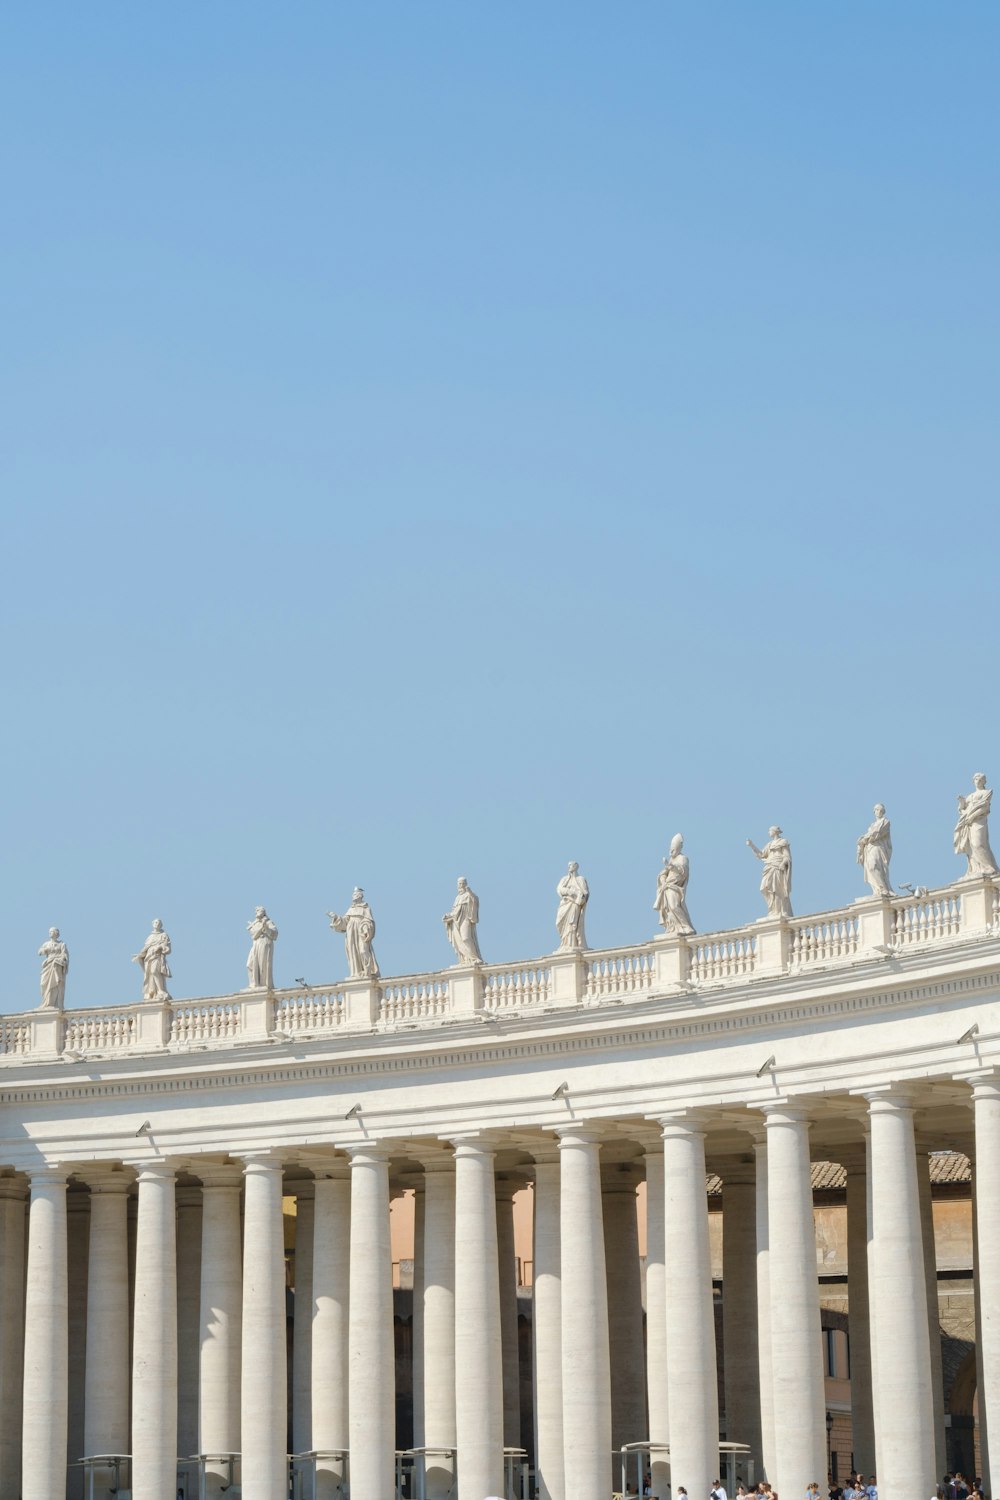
(952, 1487)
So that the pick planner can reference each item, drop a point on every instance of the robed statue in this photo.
(461, 922)
(153, 958)
(671, 889)
(573, 893)
(972, 831)
(55, 966)
(260, 959)
(776, 881)
(875, 852)
(358, 926)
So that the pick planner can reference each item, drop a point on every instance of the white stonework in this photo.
(866, 1036)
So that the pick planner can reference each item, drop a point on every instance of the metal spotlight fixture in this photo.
(767, 1067)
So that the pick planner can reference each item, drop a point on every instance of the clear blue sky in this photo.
(452, 439)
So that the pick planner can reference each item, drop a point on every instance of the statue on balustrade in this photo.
(972, 831)
(776, 881)
(671, 889)
(461, 922)
(155, 969)
(875, 852)
(55, 966)
(260, 959)
(358, 926)
(573, 893)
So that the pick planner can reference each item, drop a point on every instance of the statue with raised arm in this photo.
(776, 881)
(972, 831)
(260, 959)
(461, 922)
(358, 926)
(573, 893)
(55, 966)
(671, 889)
(875, 852)
(155, 969)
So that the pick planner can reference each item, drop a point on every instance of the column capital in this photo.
(433, 1158)
(107, 1180)
(685, 1125)
(13, 1188)
(785, 1111)
(155, 1171)
(302, 1188)
(47, 1176)
(583, 1134)
(189, 1197)
(890, 1098)
(367, 1153)
(228, 1175)
(985, 1084)
(506, 1184)
(262, 1163)
(621, 1176)
(474, 1145)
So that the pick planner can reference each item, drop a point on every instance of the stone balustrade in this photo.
(871, 930)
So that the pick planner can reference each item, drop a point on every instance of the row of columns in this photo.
(588, 1374)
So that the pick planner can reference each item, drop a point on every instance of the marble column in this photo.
(189, 1213)
(547, 1327)
(46, 1341)
(302, 1334)
(264, 1379)
(797, 1369)
(986, 1105)
(739, 1305)
(692, 1374)
(417, 1318)
(586, 1353)
(106, 1428)
(859, 1331)
(933, 1311)
(220, 1315)
(656, 1320)
(982, 1411)
(629, 1423)
(372, 1413)
(478, 1347)
(12, 1246)
(78, 1254)
(154, 1350)
(506, 1187)
(438, 1342)
(331, 1277)
(872, 1304)
(904, 1437)
(765, 1381)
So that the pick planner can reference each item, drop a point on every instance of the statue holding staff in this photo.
(875, 852)
(461, 922)
(153, 958)
(260, 959)
(671, 889)
(573, 893)
(55, 966)
(776, 881)
(972, 831)
(358, 926)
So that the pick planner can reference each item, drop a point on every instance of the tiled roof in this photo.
(946, 1166)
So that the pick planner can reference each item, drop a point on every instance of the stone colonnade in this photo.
(595, 1384)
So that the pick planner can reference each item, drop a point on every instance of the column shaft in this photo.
(154, 1351)
(986, 1103)
(189, 1212)
(78, 1253)
(372, 1414)
(765, 1382)
(692, 1376)
(621, 1256)
(933, 1310)
(46, 1342)
(739, 1308)
(12, 1245)
(220, 1311)
(507, 1266)
(438, 1351)
(859, 1331)
(656, 1322)
(586, 1351)
(106, 1395)
(904, 1437)
(797, 1373)
(264, 1384)
(417, 1321)
(478, 1356)
(331, 1295)
(302, 1341)
(547, 1330)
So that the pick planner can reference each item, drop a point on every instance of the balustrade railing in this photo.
(867, 931)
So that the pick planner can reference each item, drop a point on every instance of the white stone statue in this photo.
(460, 924)
(776, 881)
(671, 889)
(358, 926)
(260, 959)
(55, 966)
(155, 969)
(972, 831)
(875, 852)
(573, 893)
